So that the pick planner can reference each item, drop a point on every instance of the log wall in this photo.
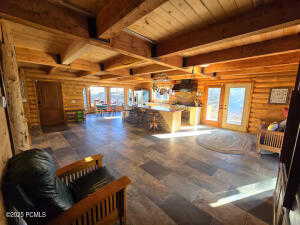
(71, 92)
(5, 154)
(262, 84)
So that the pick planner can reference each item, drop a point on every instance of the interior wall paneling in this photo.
(260, 107)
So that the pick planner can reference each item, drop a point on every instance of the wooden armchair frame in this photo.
(105, 206)
(272, 140)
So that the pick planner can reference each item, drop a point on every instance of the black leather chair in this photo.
(36, 193)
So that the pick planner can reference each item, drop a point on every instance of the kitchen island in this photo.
(190, 114)
(164, 118)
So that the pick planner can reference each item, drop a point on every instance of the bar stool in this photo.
(153, 121)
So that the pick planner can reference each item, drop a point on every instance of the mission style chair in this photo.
(269, 140)
(105, 206)
(103, 203)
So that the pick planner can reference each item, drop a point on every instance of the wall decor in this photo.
(279, 95)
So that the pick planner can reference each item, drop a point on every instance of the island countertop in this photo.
(160, 108)
(168, 118)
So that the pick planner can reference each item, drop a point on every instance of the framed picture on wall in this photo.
(279, 95)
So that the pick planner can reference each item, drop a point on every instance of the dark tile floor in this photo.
(175, 181)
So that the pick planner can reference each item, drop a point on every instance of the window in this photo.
(130, 97)
(117, 96)
(161, 97)
(98, 95)
(85, 100)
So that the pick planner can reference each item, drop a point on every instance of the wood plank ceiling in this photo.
(201, 31)
(176, 17)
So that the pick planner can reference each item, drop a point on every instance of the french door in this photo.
(227, 106)
(213, 110)
(236, 106)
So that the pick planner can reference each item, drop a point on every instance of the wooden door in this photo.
(236, 106)
(213, 107)
(50, 103)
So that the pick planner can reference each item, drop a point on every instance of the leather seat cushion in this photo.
(90, 183)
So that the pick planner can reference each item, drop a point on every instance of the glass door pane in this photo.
(236, 106)
(213, 103)
(236, 100)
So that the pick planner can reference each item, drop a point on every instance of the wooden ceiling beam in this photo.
(45, 16)
(131, 46)
(271, 17)
(289, 68)
(270, 47)
(262, 70)
(150, 69)
(41, 75)
(135, 78)
(74, 51)
(37, 57)
(76, 26)
(43, 58)
(88, 73)
(119, 14)
(120, 62)
(108, 76)
(52, 70)
(244, 64)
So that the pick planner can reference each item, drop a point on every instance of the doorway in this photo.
(50, 103)
(236, 106)
(228, 106)
(212, 115)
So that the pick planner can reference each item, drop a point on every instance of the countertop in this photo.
(160, 108)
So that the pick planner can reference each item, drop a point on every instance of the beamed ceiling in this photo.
(126, 41)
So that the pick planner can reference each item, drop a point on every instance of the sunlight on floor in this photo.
(182, 134)
(247, 191)
(192, 127)
(111, 117)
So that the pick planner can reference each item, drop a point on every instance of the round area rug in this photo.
(227, 141)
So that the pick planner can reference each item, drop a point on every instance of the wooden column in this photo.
(11, 80)
(107, 91)
(88, 96)
(126, 96)
(5, 151)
